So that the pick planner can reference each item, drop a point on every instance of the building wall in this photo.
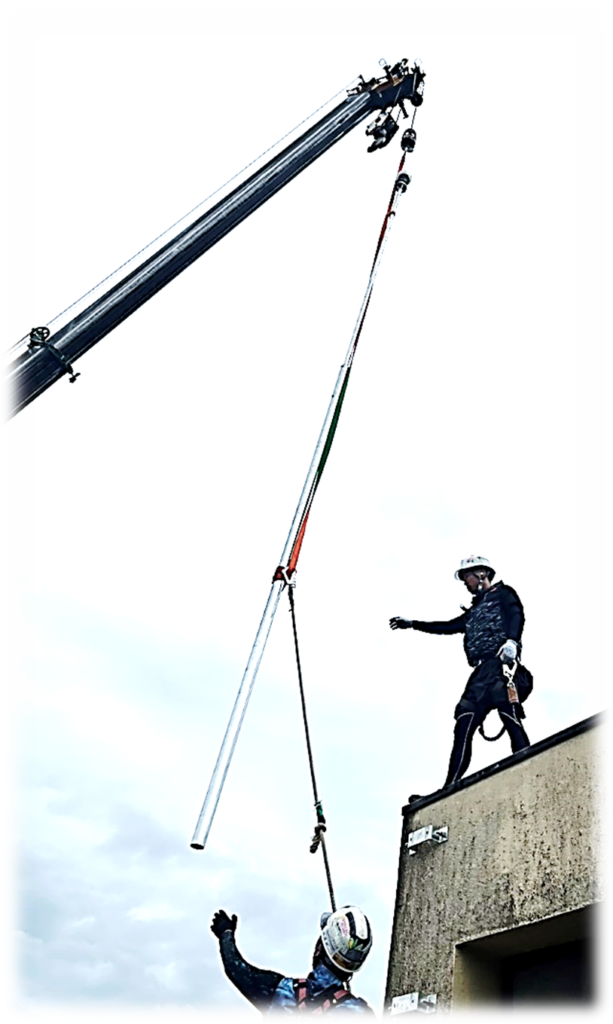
(523, 850)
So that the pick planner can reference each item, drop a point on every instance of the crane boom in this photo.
(49, 356)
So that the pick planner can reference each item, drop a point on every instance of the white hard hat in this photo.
(474, 562)
(346, 938)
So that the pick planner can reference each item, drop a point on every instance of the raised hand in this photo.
(223, 923)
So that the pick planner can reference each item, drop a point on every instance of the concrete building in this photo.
(498, 883)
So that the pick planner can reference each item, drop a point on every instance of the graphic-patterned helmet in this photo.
(346, 938)
(474, 562)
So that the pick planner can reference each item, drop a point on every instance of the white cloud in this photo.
(160, 911)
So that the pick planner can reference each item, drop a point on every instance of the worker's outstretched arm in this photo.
(457, 625)
(256, 984)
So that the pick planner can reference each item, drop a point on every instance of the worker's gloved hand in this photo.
(399, 623)
(223, 923)
(508, 652)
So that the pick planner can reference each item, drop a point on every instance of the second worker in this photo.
(492, 628)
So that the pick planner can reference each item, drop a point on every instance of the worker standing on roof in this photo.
(492, 629)
(341, 949)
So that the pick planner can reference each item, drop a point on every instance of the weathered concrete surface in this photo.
(523, 846)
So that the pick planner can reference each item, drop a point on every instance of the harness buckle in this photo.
(509, 672)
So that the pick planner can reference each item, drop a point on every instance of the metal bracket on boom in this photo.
(422, 835)
(399, 83)
(382, 129)
(39, 339)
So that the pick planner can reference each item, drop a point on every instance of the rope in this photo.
(490, 739)
(320, 827)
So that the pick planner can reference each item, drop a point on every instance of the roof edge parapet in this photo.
(507, 762)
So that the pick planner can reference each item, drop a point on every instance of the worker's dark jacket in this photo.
(495, 615)
(271, 992)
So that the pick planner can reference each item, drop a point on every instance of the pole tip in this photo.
(197, 846)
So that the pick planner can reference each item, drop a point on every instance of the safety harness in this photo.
(326, 1000)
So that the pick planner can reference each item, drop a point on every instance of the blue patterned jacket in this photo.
(272, 993)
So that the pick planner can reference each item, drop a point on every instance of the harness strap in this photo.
(336, 998)
(300, 991)
(327, 999)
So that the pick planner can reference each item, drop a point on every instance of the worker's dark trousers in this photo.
(467, 724)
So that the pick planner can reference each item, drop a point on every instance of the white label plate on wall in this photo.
(402, 1004)
(420, 836)
(413, 1001)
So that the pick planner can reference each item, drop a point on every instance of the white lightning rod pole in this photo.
(218, 778)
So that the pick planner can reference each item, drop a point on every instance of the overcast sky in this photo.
(150, 501)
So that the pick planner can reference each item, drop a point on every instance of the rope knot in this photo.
(317, 837)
